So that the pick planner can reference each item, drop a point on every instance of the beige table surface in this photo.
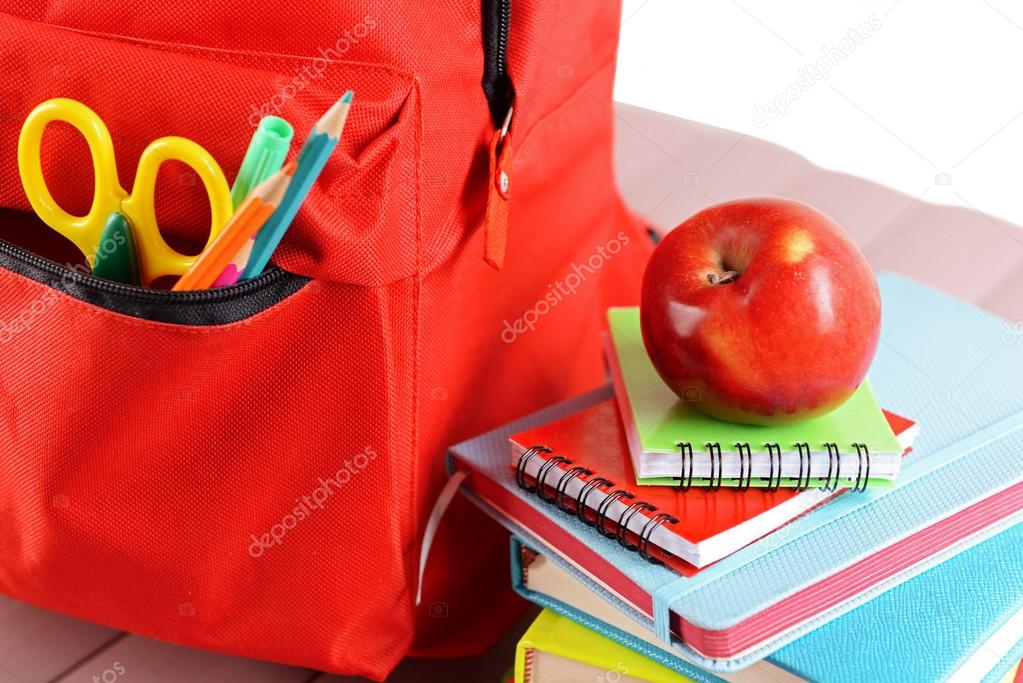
(668, 168)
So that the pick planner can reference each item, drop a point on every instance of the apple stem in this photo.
(724, 278)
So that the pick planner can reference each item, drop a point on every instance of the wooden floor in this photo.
(37, 646)
(668, 169)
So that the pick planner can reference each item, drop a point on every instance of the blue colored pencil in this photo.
(311, 159)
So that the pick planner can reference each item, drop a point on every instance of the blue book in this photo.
(941, 362)
(960, 621)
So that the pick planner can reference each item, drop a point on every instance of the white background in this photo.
(931, 103)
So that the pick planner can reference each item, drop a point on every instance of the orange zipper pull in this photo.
(495, 224)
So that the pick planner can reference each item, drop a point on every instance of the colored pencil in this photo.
(250, 216)
(314, 155)
(266, 154)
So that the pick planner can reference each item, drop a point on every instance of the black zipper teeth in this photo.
(133, 291)
(503, 19)
(497, 85)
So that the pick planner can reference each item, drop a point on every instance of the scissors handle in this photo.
(83, 231)
(156, 257)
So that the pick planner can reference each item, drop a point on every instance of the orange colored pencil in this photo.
(246, 221)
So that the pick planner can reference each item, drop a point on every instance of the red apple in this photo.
(760, 311)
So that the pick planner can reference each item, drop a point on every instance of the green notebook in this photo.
(852, 446)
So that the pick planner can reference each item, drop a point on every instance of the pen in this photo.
(317, 149)
(264, 157)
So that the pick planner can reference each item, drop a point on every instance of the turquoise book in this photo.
(942, 363)
(961, 621)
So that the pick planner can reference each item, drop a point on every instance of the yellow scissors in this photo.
(155, 257)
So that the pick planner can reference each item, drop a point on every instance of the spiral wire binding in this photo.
(745, 465)
(716, 463)
(685, 475)
(803, 483)
(559, 490)
(520, 467)
(804, 480)
(834, 467)
(648, 529)
(621, 533)
(541, 476)
(605, 506)
(862, 478)
(774, 476)
(584, 493)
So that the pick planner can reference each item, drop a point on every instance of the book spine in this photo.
(578, 505)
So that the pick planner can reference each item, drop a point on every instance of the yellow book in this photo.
(555, 649)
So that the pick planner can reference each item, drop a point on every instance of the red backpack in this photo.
(250, 469)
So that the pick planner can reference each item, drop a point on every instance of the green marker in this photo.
(265, 156)
(116, 254)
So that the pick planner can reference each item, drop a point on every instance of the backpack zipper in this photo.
(219, 306)
(500, 94)
(71, 275)
(497, 84)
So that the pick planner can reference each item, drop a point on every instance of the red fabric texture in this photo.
(138, 460)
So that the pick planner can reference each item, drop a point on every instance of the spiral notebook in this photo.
(671, 443)
(581, 464)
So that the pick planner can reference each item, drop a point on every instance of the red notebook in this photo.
(587, 471)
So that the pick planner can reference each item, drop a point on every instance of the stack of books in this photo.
(665, 545)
